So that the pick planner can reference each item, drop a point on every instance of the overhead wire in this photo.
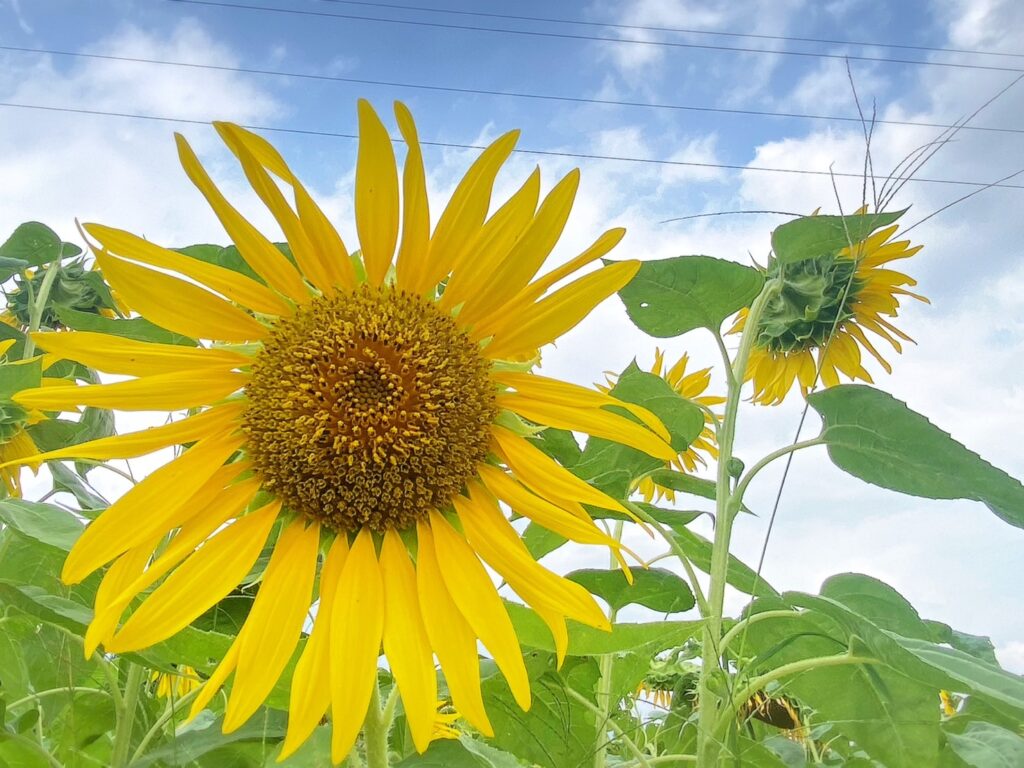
(452, 145)
(598, 38)
(488, 92)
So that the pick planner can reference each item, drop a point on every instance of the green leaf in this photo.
(540, 541)
(877, 438)
(877, 602)
(222, 256)
(811, 236)
(45, 523)
(203, 736)
(15, 377)
(137, 328)
(684, 483)
(669, 297)
(983, 745)
(467, 752)
(587, 641)
(50, 608)
(739, 574)
(66, 480)
(654, 588)
(37, 244)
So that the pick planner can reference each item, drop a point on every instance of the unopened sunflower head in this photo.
(692, 385)
(371, 418)
(816, 327)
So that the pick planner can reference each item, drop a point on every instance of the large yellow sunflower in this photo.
(692, 386)
(853, 290)
(368, 415)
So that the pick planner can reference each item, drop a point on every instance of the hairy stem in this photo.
(604, 683)
(126, 717)
(375, 731)
(35, 313)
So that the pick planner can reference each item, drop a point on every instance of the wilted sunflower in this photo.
(691, 386)
(852, 290)
(365, 414)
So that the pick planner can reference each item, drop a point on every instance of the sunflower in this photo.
(349, 410)
(175, 685)
(16, 445)
(852, 290)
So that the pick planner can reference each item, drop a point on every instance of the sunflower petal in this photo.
(412, 252)
(450, 635)
(217, 679)
(376, 194)
(475, 595)
(154, 506)
(275, 620)
(197, 584)
(123, 571)
(405, 641)
(357, 623)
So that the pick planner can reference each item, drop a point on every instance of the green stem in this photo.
(54, 692)
(35, 314)
(777, 454)
(172, 709)
(786, 670)
(126, 718)
(604, 683)
(375, 732)
(726, 506)
(663, 759)
(641, 758)
(740, 625)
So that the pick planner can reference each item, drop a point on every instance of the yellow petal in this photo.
(450, 635)
(558, 313)
(117, 354)
(237, 287)
(405, 641)
(529, 252)
(154, 506)
(311, 690)
(492, 244)
(197, 584)
(275, 620)
(163, 392)
(131, 444)
(463, 216)
(499, 319)
(260, 253)
(412, 252)
(376, 195)
(308, 259)
(593, 421)
(475, 595)
(563, 393)
(216, 680)
(106, 606)
(544, 476)
(357, 622)
(177, 305)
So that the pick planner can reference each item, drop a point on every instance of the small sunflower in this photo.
(691, 386)
(175, 685)
(853, 290)
(349, 410)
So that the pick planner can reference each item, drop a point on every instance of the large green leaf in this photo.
(984, 745)
(467, 752)
(36, 244)
(45, 523)
(876, 437)
(811, 236)
(669, 297)
(137, 328)
(877, 602)
(655, 588)
(203, 736)
(739, 574)
(16, 377)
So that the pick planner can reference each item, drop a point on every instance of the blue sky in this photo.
(953, 560)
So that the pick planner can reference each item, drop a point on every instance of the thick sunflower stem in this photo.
(713, 684)
(126, 717)
(38, 306)
(375, 731)
(604, 683)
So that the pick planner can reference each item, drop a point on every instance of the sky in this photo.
(955, 561)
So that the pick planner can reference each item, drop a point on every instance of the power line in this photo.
(489, 92)
(644, 28)
(541, 152)
(567, 36)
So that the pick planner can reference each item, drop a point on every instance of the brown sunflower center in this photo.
(369, 408)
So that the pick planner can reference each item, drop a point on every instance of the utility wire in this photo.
(541, 152)
(489, 92)
(567, 36)
(644, 28)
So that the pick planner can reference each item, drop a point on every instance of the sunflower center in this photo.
(369, 408)
(817, 295)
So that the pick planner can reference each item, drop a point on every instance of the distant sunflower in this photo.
(853, 290)
(691, 386)
(364, 413)
(175, 685)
